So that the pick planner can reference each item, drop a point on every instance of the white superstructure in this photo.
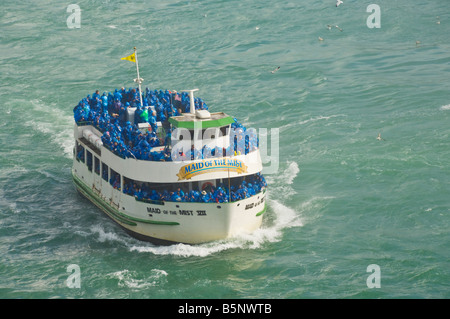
(105, 178)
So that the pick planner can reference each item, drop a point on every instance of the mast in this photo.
(139, 80)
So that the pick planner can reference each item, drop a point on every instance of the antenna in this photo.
(191, 96)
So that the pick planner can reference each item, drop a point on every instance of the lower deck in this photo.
(166, 221)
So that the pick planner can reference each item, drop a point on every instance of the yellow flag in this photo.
(131, 58)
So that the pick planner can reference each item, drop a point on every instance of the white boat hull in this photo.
(171, 222)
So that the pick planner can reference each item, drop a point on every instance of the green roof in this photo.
(188, 122)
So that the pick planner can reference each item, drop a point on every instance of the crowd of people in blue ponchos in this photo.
(114, 105)
(108, 113)
(238, 189)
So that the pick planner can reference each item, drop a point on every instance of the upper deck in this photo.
(170, 126)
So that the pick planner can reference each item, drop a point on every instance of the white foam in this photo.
(280, 217)
(48, 119)
(311, 209)
(104, 236)
(131, 279)
(282, 183)
(445, 107)
(290, 173)
(310, 120)
(284, 217)
(286, 177)
(184, 250)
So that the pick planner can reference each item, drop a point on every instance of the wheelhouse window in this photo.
(80, 152)
(115, 179)
(105, 171)
(96, 165)
(89, 160)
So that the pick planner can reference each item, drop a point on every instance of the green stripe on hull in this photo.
(111, 211)
(263, 211)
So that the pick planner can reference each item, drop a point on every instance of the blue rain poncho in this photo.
(155, 195)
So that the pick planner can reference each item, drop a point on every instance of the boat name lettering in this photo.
(201, 213)
(248, 206)
(174, 212)
(153, 210)
(169, 212)
(190, 170)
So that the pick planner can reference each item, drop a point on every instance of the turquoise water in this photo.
(340, 200)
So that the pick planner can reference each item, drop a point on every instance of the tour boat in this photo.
(168, 172)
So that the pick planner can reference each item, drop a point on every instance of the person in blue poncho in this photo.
(113, 108)
(86, 109)
(153, 139)
(78, 113)
(95, 98)
(127, 189)
(137, 115)
(167, 154)
(127, 132)
(116, 183)
(122, 115)
(134, 97)
(174, 197)
(180, 192)
(117, 95)
(239, 192)
(157, 156)
(217, 194)
(161, 116)
(168, 109)
(204, 197)
(155, 195)
(194, 196)
(250, 189)
(165, 195)
(106, 139)
(139, 194)
(104, 101)
(143, 145)
(233, 195)
(152, 120)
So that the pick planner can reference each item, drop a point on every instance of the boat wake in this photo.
(278, 218)
(445, 107)
(135, 280)
(54, 122)
(311, 120)
(281, 217)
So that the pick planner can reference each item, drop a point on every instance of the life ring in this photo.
(206, 184)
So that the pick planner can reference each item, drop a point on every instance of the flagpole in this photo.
(138, 80)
